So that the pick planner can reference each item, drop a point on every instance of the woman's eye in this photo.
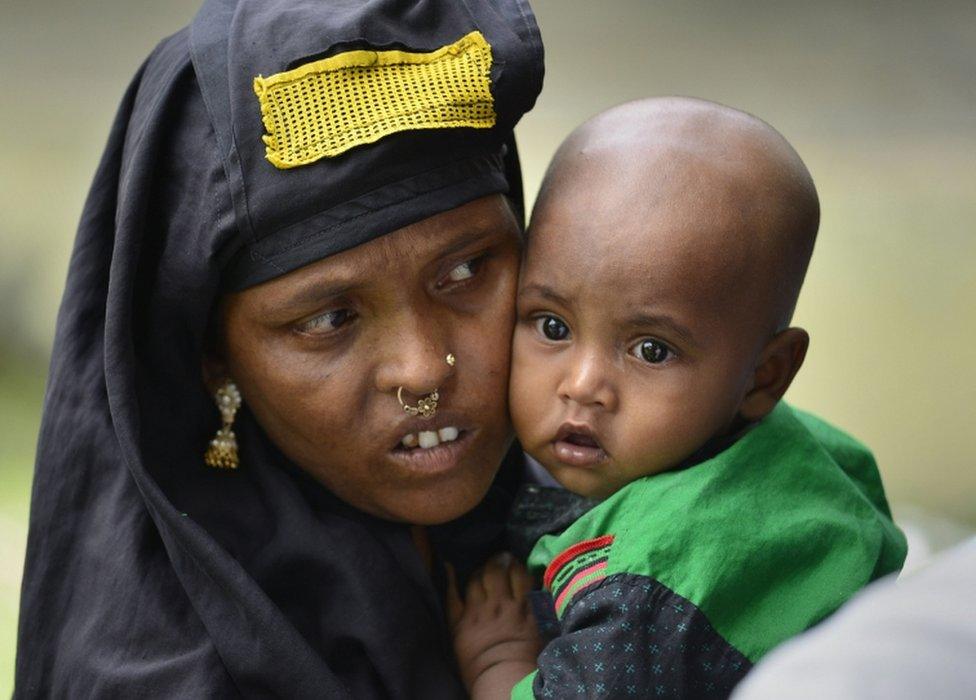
(652, 351)
(552, 328)
(329, 321)
(466, 270)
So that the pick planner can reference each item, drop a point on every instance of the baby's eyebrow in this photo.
(645, 319)
(545, 292)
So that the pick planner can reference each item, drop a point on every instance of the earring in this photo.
(222, 451)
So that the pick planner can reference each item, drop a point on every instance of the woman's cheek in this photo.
(495, 337)
(527, 390)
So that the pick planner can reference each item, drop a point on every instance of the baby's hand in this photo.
(496, 639)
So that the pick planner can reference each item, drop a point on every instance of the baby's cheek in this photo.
(664, 434)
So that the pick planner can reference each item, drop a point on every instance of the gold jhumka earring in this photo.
(222, 451)
(427, 406)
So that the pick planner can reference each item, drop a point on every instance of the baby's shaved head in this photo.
(664, 259)
(718, 189)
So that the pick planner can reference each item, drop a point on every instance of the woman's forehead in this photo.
(484, 221)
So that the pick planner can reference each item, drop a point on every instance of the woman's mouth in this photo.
(432, 451)
(427, 439)
(577, 446)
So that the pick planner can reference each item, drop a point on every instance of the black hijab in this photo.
(149, 574)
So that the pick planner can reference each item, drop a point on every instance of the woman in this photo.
(306, 207)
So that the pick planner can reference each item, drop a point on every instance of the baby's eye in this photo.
(552, 327)
(327, 322)
(652, 351)
(466, 270)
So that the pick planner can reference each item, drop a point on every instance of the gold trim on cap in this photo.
(326, 107)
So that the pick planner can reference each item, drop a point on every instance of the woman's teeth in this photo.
(426, 439)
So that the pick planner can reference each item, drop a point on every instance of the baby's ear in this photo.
(778, 363)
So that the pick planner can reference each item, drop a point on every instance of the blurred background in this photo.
(878, 97)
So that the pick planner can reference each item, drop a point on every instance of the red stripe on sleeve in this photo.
(568, 555)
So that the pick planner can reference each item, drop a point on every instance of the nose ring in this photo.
(427, 406)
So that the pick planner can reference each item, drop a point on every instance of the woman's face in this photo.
(320, 353)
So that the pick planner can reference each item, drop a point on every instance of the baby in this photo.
(652, 348)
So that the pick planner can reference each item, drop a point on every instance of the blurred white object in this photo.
(911, 638)
(928, 534)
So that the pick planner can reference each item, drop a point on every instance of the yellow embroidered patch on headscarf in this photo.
(326, 107)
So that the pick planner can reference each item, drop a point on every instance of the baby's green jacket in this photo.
(676, 584)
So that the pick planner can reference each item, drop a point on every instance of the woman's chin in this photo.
(438, 503)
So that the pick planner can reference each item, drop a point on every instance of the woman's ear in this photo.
(214, 371)
(779, 362)
(213, 366)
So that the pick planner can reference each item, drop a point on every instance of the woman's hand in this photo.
(496, 638)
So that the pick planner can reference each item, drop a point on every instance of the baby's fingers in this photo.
(455, 606)
(520, 581)
(495, 577)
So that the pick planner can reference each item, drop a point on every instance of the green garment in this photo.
(765, 539)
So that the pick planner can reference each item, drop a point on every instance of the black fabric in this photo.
(631, 636)
(542, 510)
(148, 574)
(544, 611)
(289, 218)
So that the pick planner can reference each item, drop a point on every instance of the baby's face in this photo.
(633, 344)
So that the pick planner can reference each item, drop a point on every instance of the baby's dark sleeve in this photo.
(627, 635)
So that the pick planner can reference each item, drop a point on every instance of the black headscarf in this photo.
(149, 574)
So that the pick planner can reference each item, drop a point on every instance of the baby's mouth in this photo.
(581, 440)
(578, 446)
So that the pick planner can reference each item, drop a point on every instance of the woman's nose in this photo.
(587, 382)
(415, 358)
